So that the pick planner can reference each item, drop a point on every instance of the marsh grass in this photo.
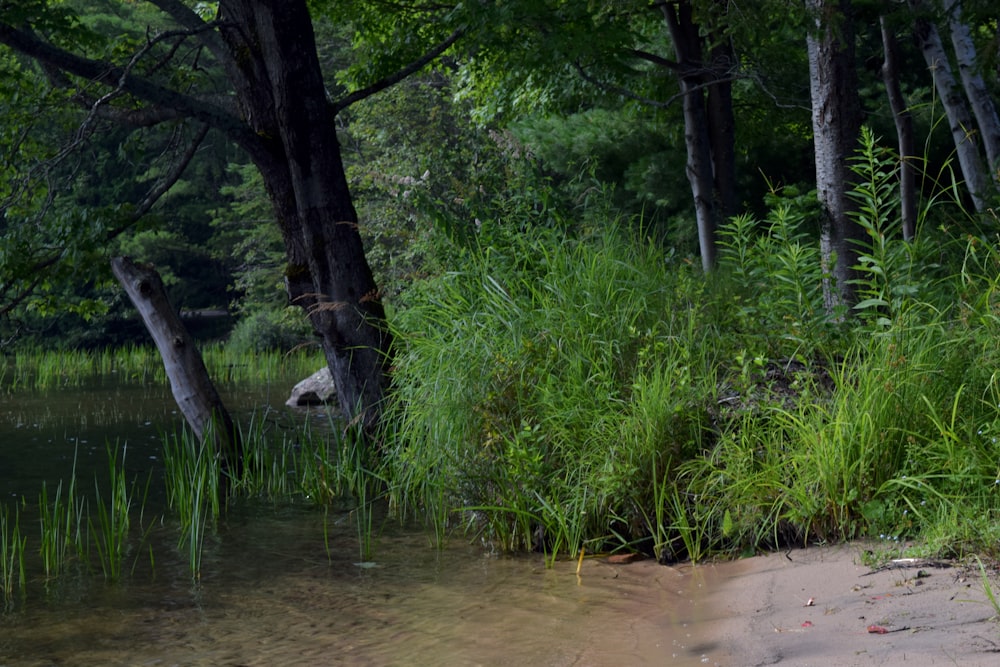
(38, 369)
(111, 530)
(192, 474)
(534, 401)
(63, 535)
(13, 574)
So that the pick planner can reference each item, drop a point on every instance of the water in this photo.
(275, 591)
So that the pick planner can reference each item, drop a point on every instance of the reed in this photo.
(13, 574)
(191, 476)
(33, 368)
(111, 529)
(62, 523)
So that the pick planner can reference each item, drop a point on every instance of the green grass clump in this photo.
(545, 402)
(561, 390)
(13, 575)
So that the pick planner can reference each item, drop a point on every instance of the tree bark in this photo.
(722, 127)
(688, 45)
(956, 108)
(975, 87)
(281, 93)
(904, 131)
(190, 383)
(836, 122)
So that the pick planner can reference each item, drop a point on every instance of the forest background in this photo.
(678, 277)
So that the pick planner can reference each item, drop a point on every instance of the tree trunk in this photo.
(281, 93)
(904, 132)
(955, 107)
(190, 383)
(836, 122)
(975, 88)
(688, 45)
(722, 127)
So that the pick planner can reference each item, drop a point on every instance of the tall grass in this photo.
(13, 575)
(544, 401)
(35, 368)
(63, 531)
(192, 478)
(562, 391)
(111, 530)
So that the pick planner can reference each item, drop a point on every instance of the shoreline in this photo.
(821, 606)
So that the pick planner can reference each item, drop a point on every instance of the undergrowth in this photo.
(568, 390)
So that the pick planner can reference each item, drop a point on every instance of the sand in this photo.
(821, 606)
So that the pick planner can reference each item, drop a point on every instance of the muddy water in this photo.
(275, 592)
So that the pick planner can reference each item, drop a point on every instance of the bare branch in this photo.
(398, 76)
(121, 79)
(187, 18)
(655, 59)
(162, 186)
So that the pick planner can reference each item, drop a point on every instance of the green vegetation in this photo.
(566, 379)
(34, 368)
(566, 390)
(111, 530)
(12, 546)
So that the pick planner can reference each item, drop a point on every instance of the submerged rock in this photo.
(317, 389)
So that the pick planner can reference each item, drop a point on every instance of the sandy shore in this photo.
(821, 606)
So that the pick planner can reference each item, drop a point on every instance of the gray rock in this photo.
(317, 389)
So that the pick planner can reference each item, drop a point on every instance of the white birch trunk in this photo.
(975, 88)
(956, 108)
(836, 124)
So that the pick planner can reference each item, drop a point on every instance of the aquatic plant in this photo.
(111, 530)
(12, 562)
(35, 368)
(62, 524)
(191, 476)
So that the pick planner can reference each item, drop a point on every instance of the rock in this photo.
(317, 389)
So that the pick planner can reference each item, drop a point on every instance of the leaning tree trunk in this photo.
(190, 383)
(281, 93)
(975, 87)
(836, 122)
(957, 110)
(904, 132)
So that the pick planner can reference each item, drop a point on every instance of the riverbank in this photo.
(821, 606)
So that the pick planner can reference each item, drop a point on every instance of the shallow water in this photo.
(275, 592)
(276, 599)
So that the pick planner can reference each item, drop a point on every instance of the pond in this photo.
(286, 585)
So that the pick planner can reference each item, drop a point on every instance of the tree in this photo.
(979, 96)
(956, 107)
(521, 57)
(705, 73)
(903, 121)
(836, 122)
(271, 100)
